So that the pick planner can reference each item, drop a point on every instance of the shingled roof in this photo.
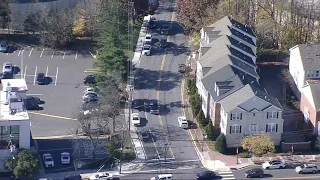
(310, 56)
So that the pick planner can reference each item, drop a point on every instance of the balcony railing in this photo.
(253, 133)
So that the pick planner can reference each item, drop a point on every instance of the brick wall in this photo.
(297, 147)
(304, 103)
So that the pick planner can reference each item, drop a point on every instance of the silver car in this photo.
(7, 67)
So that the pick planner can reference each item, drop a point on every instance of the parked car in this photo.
(307, 168)
(273, 165)
(7, 67)
(145, 136)
(89, 94)
(206, 175)
(73, 177)
(153, 23)
(90, 79)
(148, 39)
(154, 108)
(89, 89)
(162, 177)
(65, 158)
(183, 123)
(135, 119)
(146, 50)
(48, 160)
(182, 68)
(32, 106)
(4, 48)
(163, 42)
(32, 99)
(90, 99)
(164, 29)
(252, 173)
(41, 79)
(104, 176)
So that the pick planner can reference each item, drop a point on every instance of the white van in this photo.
(183, 123)
(162, 177)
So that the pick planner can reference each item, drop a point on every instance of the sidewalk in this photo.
(211, 159)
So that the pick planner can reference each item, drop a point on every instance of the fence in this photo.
(296, 147)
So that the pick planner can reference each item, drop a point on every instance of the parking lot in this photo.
(64, 87)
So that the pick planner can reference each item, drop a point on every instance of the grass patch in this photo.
(211, 145)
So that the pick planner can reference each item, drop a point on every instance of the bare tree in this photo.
(90, 12)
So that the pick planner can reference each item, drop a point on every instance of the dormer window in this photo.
(236, 116)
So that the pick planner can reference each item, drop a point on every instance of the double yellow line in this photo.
(159, 83)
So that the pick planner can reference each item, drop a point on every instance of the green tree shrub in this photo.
(211, 131)
(221, 144)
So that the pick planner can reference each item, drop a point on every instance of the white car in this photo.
(97, 176)
(148, 39)
(7, 67)
(135, 119)
(183, 122)
(89, 94)
(65, 158)
(162, 177)
(47, 159)
(88, 90)
(273, 165)
(146, 50)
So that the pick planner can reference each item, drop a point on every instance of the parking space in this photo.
(62, 91)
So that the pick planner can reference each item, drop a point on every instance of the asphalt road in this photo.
(160, 72)
(182, 174)
(62, 96)
(280, 174)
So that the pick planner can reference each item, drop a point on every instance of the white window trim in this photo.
(272, 115)
(272, 127)
(236, 116)
(235, 129)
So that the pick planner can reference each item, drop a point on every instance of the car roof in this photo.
(147, 45)
(164, 175)
(65, 153)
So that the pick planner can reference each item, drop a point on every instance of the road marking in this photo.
(55, 81)
(52, 54)
(30, 52)
(52, 116)
(47, 71)
(19, 52)
(300, 177)
(35, 75)
(25, 72)
(92, 55)
(64, 54)
(157, 170)
(76, 55)
(34, 94)
(41, 52)
(159, 82)
(154, 144)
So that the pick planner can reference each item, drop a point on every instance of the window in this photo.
(272, 127)
(253, 114)
(5, 132)
(272, 115)
(235, 129)
(253, 128)
(236, 116)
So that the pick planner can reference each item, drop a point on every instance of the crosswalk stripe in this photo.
(226, 175)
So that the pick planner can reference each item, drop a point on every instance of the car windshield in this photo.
(7, 67)
(146, 48)
(48, 159)
(65, 157)
(148, 37)
(135, 118)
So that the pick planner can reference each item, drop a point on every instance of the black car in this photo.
(164, 29)
(206, 175)
(31, 99)
(145, 136)
(154, 107)
(153, 24)
(41, 78)
(252, 173)
(73, 177)
(4, 48)
(163, 42)
(90, 79)
(31, 106)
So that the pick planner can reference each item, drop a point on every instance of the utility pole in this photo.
(130, 80)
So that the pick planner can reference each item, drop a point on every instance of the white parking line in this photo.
(34, 94)
(30, 52)
(64, 54)
(25, 72)
(47, 71)
(19, 52)
(35, 75)
(55, 82)
(41, 52)
(76, 55)
(92, 55)
(52, 55)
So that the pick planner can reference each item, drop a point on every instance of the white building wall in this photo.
(296, 68)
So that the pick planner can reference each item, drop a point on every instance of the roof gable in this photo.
(310, 56)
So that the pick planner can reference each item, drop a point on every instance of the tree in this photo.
(258, 145)
(25, 164)
(58, 28)
(211, 131)
(201, 119)
(221, 144)
(33, 22)
(5, 13)
(192, 13)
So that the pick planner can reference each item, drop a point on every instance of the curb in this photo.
(244, 167)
